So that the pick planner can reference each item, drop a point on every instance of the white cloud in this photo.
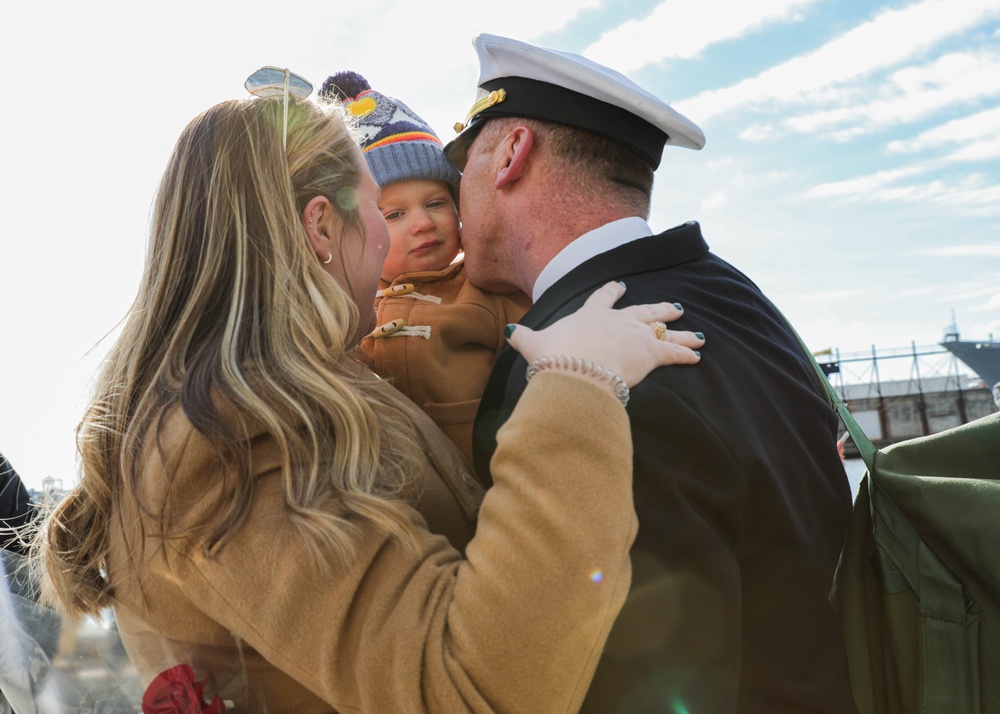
(986, 330)
(929, 290)
(977, 151)
(972, 195)
(508, 20)
(861, 186)
(989, 329)
(962, 251)
(893, 37)
(761, 132)
(979, 135)
(832, 296)
(991, 305)
(714, 200)
(680, 29)
(973, 294)
(979, 126)
(724, 163)
(909, 95)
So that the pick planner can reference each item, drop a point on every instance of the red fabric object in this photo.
(175, 691)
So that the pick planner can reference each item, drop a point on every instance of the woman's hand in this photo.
(624, 341)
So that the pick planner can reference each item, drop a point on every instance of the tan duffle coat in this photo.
(437, 338)
(517, 626)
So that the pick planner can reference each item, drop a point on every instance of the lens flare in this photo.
(347, 198)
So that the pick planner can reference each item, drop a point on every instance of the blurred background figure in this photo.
(16, 508)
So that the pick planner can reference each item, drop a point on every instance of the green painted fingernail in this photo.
(678, 306)
(508, 330)
(699, 335)
(622, 283)
(697, 353)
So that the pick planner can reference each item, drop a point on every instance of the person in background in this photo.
(743, 501)
(245, 476)
(16, 509)
(437, 334)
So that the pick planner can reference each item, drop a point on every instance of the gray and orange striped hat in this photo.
(397, 143)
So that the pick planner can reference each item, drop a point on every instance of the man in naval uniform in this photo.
(742, 499)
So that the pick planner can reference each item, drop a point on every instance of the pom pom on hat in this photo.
(396, 142)
(344, 86)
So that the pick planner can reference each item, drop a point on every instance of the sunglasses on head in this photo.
(275, 81)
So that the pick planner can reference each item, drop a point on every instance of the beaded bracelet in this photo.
(582, 366)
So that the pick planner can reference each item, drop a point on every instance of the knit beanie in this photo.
(398, 144)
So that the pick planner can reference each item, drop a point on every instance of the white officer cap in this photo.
(520, 80)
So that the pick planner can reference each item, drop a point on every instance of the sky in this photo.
(852, 163)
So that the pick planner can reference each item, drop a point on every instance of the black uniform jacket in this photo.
(742, 498)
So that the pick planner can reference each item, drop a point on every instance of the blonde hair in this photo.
(235, 316)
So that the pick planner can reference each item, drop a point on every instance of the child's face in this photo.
(423, 227)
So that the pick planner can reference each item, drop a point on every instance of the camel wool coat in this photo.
(516, 626)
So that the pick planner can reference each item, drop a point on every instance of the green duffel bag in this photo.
(917, 588)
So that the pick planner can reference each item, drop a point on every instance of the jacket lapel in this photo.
(673, 247)
(668, 249)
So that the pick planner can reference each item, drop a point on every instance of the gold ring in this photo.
(660, 330)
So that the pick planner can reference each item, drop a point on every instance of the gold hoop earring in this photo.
(329, 257)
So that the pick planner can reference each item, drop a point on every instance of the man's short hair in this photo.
(606, 164)
(600, 166)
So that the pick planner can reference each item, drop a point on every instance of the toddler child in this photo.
(438, 335)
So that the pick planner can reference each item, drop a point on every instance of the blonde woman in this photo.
(243, 476)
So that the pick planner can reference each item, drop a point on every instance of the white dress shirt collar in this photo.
(600, 240)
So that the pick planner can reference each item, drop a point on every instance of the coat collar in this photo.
(672, 247)
(600, 240)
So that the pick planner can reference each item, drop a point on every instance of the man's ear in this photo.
(318, 218)
(517, 146)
